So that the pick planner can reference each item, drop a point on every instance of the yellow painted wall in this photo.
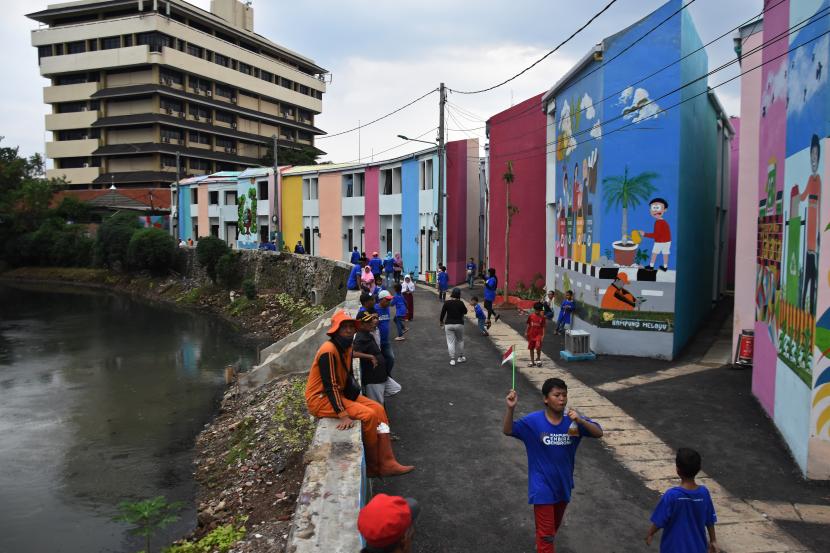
(292, 210)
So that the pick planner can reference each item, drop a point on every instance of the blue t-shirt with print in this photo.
(479, 311)
(490, 286)
(389, 264)
(383, 323)
(376, 264)
(354, 278)
(472, 268)
(565, 311)
(400, 305)
(443, 280)
(550, 457)
(684, 515)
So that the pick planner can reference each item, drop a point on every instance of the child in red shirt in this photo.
(535, 332)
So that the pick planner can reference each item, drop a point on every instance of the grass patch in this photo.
(296, 426)
(298, 310)
(240, 305)
(243, 441)
(220, 539)
(190, 297)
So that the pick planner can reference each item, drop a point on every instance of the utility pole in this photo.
(442, 100)
(276, 215)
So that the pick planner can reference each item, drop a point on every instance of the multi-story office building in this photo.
(134, 82)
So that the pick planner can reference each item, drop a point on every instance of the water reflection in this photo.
(101, 397)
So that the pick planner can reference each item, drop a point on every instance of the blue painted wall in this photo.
(695, 249)
(184, 215)
(410, 231)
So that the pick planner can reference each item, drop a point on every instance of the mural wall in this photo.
(246, 208)
(792, 371)
(616, 157)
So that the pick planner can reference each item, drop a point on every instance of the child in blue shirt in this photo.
(471, 272)
(443, 283)
(400, 312)
(480, 317)
(551, 437)
(686, 512)
(379, 287)
(565, 312)
(354, 278)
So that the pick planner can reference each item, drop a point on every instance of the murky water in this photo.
(101, 398)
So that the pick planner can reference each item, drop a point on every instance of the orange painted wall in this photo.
(331, 220)
(204, 221)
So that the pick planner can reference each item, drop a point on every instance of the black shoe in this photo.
(663, 268)
(498, 317)
(648, 268)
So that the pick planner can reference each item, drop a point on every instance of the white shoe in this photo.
(452, 362)
(462, 359)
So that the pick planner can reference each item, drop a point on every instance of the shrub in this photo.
(72, 248)
(153, 250)
(113, 239)
(228, 271)
(249, 288)
(209, 251)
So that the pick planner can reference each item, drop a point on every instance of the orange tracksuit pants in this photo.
(369, 412)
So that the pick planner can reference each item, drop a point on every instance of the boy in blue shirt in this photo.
(565, 312)
(400, 312)
(354, 278)
(378, 287)
(382, 309)
(376, 263)
(471, 272)
(355, 257)
(480, 317)
(686, 512)
(443, 283)
(551, 437)
(389, 268)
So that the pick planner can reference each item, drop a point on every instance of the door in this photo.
(429, 251)
(389, 245)
(230, 234)
(422, 251)
(307, 240)
(351, 241)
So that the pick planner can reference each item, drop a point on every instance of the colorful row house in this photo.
(783, 218)
(387, 206)
(637, 187)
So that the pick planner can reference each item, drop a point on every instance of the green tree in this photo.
(114, 237)
(153, 250)
(228, 271)
(209, 251)
(623, 193)
(508, 177)
(148, 516)
(304, 155)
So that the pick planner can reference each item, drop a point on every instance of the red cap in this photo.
(385, 519)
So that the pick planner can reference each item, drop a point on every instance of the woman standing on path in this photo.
(408, 288)
(490, 286)
(397, 265)
(452, 320)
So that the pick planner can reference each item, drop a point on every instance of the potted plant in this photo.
(624, 192)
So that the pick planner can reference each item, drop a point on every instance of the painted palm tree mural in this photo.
(626, 192)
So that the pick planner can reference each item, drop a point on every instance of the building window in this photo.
(58, 49)
(194, 195)
(230, 198)
(200, 164)
(219, 59)
(213, 197)
(224, 117)
(199, 112)
(76, 47)
(171, 135)
(266, 76)
(128, 40)
(168, 161)
(79, 134)
(110, 43)
(169, 77)
(287, 112)
(303, 89)
(44, 51)
(171, 106)
(263, 190)
(199, 84)
(76, 78)
(199, 137)
(228, 144)
(194, 50)
(287, 83)
(245, 68)
(93, 44)
(386, 182)
(305, 116)
(310, 191)
(224, 91)
(71, 107)
(359, 185)
(156, 41)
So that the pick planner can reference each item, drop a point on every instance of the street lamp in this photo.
(416, 140)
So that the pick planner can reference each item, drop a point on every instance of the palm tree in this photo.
(623, 192)
(508, 179)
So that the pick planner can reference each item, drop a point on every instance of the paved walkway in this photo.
(472, 480)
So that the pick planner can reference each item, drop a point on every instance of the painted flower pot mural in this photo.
(624, 192)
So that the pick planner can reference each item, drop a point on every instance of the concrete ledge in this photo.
(333, 491)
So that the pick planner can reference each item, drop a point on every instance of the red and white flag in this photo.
(508, 356)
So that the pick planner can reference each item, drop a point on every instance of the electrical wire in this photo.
(381, 118)
(401, 145)
(540, 60)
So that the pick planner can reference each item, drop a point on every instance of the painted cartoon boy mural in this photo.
(661, 233)
(811, 195)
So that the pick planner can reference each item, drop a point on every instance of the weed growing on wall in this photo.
(296, 426)
(243, 441)
(148, 516)
(298, 310)
(220, 539)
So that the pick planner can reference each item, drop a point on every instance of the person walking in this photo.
(490, 287)
(388, 269)
(376, 263)
(471, 272)
(452, 321)
(398, 267)
(367, 280)
(366, 348)
(408, 289)
(332, 392)
(400, 312)
(355, 258)
(443, 283)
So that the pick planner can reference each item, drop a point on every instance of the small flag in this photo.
(508, 356)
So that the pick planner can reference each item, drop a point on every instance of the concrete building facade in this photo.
(637, 171)
(133, 83)
(784, 211)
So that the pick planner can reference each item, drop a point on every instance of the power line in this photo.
(381, 118)
(401, 145)
(537, 62)
(624, 127)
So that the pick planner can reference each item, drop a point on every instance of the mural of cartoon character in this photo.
(580, 218)
(616, 296)
(811, 195)
(661, 233)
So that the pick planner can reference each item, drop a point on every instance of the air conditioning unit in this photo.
(209, 120)
(227, 149)
(233, 125)
(209, 93)
(168, 111)
(233, 99)
(165, 140)
(196, 117)
(181, 114)
(86, 165)
(85, 137)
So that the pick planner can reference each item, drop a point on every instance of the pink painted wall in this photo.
(331, 226)
(372, 211)
(518, 135)
(734, 157)
(456, 227)
(746, 223)
(204, 220)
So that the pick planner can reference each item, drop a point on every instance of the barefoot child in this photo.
(685, 513)
(551, 437)
(535, 333)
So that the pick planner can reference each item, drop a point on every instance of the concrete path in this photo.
(472, 480)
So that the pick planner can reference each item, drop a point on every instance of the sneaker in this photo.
(485, 333)
(538, 363)
(531, 364)
(452, 362)
(462, 359)
(399, 338)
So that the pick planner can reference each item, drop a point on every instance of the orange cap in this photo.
(337, 319)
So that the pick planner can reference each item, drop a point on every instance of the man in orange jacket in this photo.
(332, 392)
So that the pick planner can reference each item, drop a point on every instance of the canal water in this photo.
(101, 399)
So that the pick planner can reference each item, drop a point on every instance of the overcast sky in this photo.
(382, 54)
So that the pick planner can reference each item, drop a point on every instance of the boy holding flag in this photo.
(551, 437)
